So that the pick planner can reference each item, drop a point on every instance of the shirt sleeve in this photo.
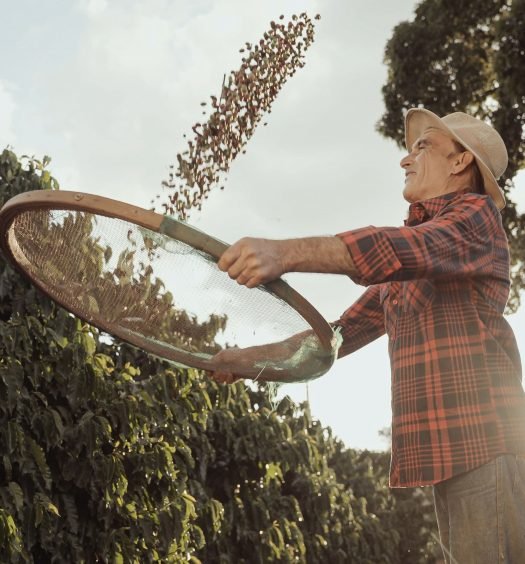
(459, 240)
(362, 323)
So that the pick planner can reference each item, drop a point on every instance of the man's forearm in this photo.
(317, 254)
(253, 261)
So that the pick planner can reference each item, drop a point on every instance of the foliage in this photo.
(407, 511)
(293, 490)
(465, 56)
(110, 455)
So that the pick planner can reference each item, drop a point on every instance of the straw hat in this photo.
(478, 137)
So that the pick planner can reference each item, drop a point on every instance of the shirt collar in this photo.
(421, 211)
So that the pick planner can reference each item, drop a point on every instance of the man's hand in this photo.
(251, 362)
(225, 377)
(253, 261)
(226, 361)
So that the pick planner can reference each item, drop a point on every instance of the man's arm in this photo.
(459, 242)
(295, 359)
(256, 261)
(360, 324)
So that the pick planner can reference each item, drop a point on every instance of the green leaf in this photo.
(17, 494)
(61, 341)
(43, 505)
(71, 513)
(131, 508)
(88, 342)
(40, 458)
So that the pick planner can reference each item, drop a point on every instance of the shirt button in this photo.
(395, 302)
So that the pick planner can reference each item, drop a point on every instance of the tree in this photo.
(95, 454)
(465, 56)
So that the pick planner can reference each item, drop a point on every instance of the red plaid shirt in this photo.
(438, 287)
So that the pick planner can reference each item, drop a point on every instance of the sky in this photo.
(107, 89)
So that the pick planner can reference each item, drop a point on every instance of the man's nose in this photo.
(406, 161)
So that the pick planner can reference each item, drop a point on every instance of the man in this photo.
(438, 287)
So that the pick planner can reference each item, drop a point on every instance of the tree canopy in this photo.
(465, 55)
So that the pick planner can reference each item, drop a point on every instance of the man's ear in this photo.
(462, 161)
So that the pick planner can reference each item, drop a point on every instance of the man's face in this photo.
(428, 166)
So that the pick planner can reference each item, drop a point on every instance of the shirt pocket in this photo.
(417, 296)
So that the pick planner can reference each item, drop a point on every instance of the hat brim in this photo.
(418, 120)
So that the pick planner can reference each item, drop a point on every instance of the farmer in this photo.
(438, 287)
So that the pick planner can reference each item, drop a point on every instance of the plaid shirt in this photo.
(438, 287)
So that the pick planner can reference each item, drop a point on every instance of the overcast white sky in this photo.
(107, 89)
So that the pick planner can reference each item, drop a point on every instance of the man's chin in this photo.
(409, 195)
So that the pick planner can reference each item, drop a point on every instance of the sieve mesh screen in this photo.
(158, 292)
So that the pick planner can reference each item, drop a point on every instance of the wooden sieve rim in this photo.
(100, 205)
